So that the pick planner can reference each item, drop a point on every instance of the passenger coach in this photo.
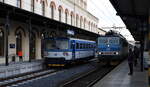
(61, 51)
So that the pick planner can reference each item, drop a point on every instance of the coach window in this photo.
(72, 45)
(77, 45)
(1, 43)
(80, 45)
(89, 45)
(84, 46)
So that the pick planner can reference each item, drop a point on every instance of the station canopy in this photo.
(134, 14)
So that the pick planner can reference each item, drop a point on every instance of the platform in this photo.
(19, 68)
(119, 77)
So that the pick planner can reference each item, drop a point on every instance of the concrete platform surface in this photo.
(119, 77)
(19, 68)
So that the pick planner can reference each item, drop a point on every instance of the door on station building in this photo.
(18, 46)
(1, 43)
(32, 46)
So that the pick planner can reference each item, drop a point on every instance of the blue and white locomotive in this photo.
(60, 51)
(111, 47)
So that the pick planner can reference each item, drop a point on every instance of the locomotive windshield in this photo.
(56, 44)
(102, 40)
(114, 40)
(108, 40)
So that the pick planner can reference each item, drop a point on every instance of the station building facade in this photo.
(71, 12)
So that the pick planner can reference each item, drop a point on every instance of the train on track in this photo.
(61, 51)
(112, 47)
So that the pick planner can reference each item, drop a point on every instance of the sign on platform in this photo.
(70, 32)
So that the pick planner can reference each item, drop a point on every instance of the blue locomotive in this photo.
(112, 47)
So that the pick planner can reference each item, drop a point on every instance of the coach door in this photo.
(73, 49)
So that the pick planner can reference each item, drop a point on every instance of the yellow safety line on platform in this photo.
(56, 65)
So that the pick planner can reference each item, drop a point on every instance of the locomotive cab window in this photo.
(56, 44)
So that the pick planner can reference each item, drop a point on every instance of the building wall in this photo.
(14, 28)
(79, 7)
(74, 9)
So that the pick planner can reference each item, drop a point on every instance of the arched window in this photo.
(19, 3)
(1, 0)
(84, 22)
(85, 5)
(66, 15)
(59, 15)
(81, 3)
(89, 25)
(1, 42)
(53, 6)
(32, 5)
(43, 8)
(71, 19)
(71, 16)
(60, 10)
(81, 19)
(77, 19)
(52, 12)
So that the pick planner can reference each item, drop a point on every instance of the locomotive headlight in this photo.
(100, 52)
(117, 53)
(108, 45)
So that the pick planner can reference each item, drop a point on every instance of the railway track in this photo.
(22, 78)
(88, 79)
(17, 79)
